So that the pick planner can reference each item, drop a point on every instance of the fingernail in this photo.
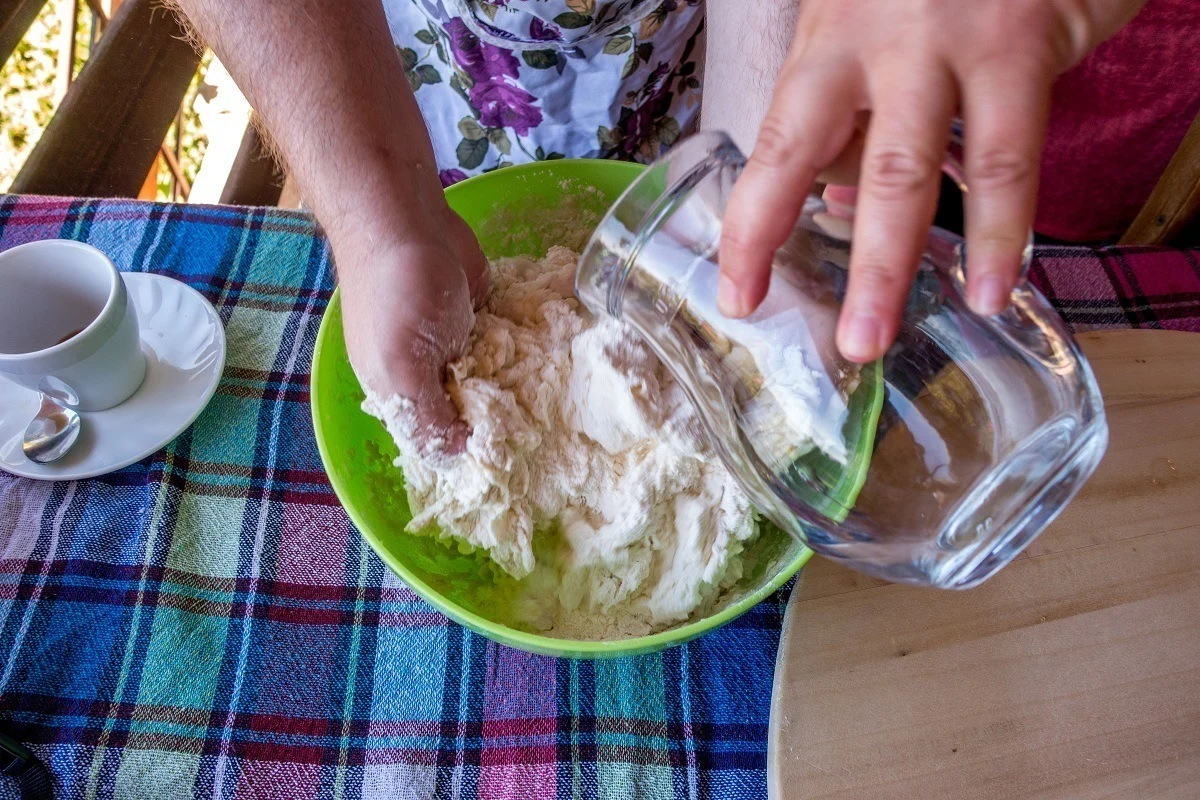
(988, 294)
(860, 337)
(840, 201)
(730, 301)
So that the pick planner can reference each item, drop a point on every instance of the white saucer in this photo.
(184, 344)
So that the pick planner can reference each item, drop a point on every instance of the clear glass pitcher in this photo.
(935, 465)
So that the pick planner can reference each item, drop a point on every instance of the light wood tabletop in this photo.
(1074, 673)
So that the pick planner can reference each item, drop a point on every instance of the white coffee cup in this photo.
(67, 326)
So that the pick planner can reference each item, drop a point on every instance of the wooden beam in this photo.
(172, 161)
(255, 179)
(290, 196)
(15, 18)
(1172, 214)
(100, 13)
(69, 28)
(149, 188)
(110, 126)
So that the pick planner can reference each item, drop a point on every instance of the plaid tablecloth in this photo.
(207, 623)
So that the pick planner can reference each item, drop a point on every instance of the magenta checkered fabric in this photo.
(1121, 287)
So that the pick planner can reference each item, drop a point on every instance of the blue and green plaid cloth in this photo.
(208, 623)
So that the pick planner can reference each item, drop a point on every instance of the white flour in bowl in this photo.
(583, 450)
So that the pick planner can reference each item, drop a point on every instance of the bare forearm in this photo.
(747, 45)
(326, 80)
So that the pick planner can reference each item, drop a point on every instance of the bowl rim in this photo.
(532, 642)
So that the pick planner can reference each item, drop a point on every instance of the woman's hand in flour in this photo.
(409, 303)
(874, 84)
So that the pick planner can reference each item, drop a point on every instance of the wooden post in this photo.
(290, 196)
(224, 112)
(1172, 214)
(149, 190)
(110, 126)
(15, 18)
(254, 179)
(102, 9)
(174, 157)
(68, 20)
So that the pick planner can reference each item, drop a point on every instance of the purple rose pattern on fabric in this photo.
(542, 32)
(636, 125)
(645, 126)
(499, 102)
(502, 97)
(449, 177)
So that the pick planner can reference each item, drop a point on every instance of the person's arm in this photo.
(910, 65)
(747, 46)
(331, 90)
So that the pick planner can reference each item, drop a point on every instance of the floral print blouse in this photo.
(501, 82)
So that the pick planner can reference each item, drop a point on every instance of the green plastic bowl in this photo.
(520, 210)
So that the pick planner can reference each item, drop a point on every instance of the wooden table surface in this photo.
(1074, 673)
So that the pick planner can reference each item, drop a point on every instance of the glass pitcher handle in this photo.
(954, 168)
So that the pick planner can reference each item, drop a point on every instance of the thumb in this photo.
(436, 426)
(406, 390)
